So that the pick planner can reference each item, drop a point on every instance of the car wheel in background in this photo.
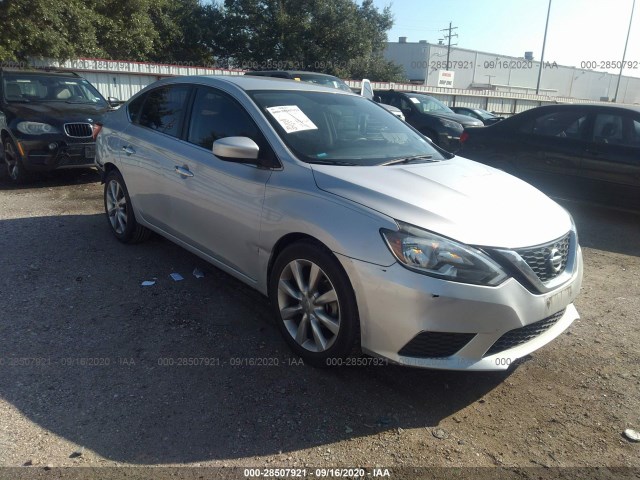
(117, 206)
(314, 304)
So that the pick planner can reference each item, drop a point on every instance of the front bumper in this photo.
(397, 305)
(42, 156)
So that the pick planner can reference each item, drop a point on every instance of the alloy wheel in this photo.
(11, 159)
(309, 305)
(116, 207)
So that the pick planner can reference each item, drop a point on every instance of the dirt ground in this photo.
(91, 369)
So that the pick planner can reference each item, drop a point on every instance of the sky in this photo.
(579, 30)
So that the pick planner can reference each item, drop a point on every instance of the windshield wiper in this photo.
(333, 162)
(405, 160)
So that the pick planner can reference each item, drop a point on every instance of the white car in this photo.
(364, 236)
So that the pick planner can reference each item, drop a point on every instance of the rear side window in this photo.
(163, 109)
(608, 128)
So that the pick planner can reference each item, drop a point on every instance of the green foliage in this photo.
(341, 37)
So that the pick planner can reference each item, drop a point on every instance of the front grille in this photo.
(435, 344)
(78, 130)
(518, 336)
(538, 258)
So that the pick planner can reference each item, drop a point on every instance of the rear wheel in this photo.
(314, 304)
(117, 206)
(14, 167)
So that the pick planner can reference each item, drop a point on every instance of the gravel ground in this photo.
(92, 370)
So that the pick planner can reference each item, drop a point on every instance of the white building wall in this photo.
(510, 74)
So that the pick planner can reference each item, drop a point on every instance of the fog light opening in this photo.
(53, 146)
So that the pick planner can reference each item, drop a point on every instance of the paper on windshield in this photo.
(414, 100)
(291, 118)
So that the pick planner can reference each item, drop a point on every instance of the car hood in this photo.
(457, 198)
(456, 117)
(58, 112)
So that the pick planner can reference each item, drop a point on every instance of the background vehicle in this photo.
(324, 80)
(430, 117)
(47, 121)
(590, 152)
(362, 233)
(485, 117)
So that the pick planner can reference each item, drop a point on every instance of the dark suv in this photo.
(47, 121)
(429, 116)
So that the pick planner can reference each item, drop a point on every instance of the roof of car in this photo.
(40, 71)
(293, 73)
(616, 106)
(249, 83)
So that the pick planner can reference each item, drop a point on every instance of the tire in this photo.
(120, 215)
(319, 322)
(12, 163)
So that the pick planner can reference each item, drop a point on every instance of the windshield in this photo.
(484, 114)
(427, 104)
(323, 80)
(341, 129)
(41, 88)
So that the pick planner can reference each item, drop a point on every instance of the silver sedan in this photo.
(364, 236)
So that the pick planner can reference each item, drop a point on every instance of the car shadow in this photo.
(57, 178)
(180, 371)
(605, 228)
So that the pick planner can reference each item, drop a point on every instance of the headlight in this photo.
(450, 124)
(36, 128)
(439, 257)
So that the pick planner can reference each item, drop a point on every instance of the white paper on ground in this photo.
(198, 273)
(291, 118)
(148, 283)
(176, 277)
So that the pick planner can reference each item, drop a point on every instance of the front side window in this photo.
(216, 116)
(164, 108)
(564, 124)
(340, 129)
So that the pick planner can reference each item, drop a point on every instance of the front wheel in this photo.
(314, 304)
(117, 206)
(14, 167)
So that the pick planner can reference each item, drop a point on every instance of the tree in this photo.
(333, 36)
(41, 28)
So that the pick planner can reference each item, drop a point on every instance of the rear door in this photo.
(149, 154)
(611, 161)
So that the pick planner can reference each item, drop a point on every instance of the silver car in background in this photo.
(364, 236)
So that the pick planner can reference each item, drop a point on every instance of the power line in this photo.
(448, 38)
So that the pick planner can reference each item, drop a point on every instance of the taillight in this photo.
(97, 128)
(464, 137)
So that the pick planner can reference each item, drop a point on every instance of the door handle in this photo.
(184, 172)
(128, 150)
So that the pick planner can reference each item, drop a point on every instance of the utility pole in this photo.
(448, 37)
(624, 54)
(544, 43)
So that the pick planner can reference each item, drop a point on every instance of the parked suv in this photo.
(430, 117)
(47, 121)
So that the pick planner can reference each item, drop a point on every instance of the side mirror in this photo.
(377, 99)
(238, 149)
(113, 101)
(406, 111)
